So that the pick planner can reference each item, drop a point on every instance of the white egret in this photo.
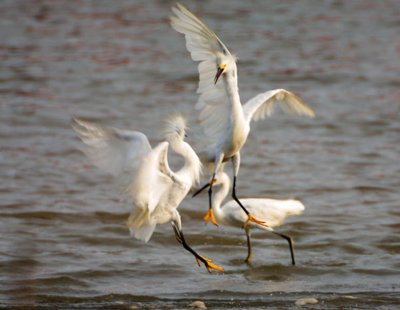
(223, 118)
(271, 211)
(155, 190)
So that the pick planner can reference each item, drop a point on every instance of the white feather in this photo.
(155, 190)
(264, 104)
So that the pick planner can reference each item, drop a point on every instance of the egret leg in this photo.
(249, 253)
(235, 197)
(199, 258)
(236, 165)
(250, 218)
(210, 214)
(290, 241)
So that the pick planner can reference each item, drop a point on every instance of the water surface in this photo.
(64, 241)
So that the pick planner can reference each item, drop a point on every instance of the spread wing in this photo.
(201, 42)
(204, 46)
(111, 149)
(143, 172)
(264, 105)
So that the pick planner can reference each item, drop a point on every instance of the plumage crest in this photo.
(175, 128)
(175, 132)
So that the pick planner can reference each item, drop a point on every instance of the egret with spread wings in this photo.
(223, 118)
(155, 190)
(272, 211)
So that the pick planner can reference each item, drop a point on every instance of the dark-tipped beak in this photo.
(219, 72)
(200, 190)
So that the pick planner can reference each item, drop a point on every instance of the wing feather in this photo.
(264, 105)
(152, 179)
(141, 171)
(111, 149)
(205, 47)
(196, 31)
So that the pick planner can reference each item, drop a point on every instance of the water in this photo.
(64, 241)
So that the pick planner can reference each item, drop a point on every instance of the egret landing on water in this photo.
(155, 190)
(272, 211)
(224, 120)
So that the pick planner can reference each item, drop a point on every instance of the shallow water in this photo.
(64, 241)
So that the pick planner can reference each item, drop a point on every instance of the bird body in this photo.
(155, 190)
(271, 211)
(225, 121)
(177, 185)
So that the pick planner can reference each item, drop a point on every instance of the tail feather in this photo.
(140, 225)
(279, 210)
(143, 233)
(293, 207)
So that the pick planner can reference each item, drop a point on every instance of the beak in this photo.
(200, 190)
(219, 72)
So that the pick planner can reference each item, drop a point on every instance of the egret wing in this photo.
(153, 179)
(264, 105)
(201, 42)
(150, 184)
(110, 149)
(206, 47)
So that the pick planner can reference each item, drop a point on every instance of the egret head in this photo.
(225, 64)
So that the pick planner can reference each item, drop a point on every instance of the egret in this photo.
(155, 190)
(223, 118)
(271, 211)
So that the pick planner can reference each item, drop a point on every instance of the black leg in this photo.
(210, 192)
(181, 239)
(250, 217)
(235, 197)
(210, 214)
(289, 240)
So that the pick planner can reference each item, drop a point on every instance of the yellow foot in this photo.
(209, 264)
(248, 260)
(254, 220)
(210, 216)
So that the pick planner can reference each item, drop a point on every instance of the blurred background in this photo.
(118, 63)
